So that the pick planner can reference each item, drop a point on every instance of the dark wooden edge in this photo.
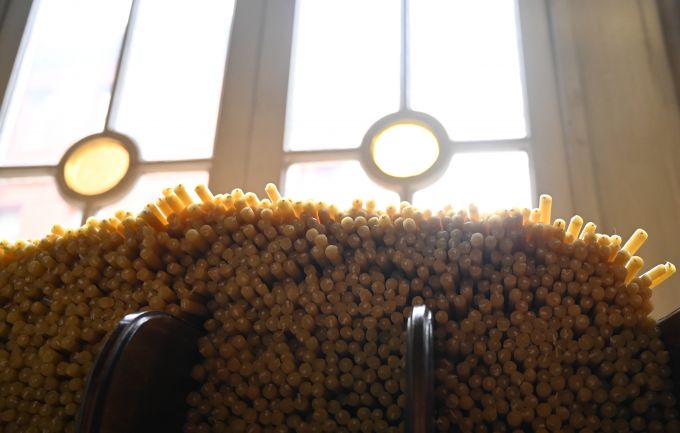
(99, 379)
(670, 334)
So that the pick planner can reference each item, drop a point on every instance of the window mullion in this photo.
(28, 171)
(176, 165)
(250, 130)
(235, 120)
(88, 210)
(265, 163)
(405, 78)
(125, 42)
(491, 145)
(547, 151)
(321, 155)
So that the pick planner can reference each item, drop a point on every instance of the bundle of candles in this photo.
(539, 325)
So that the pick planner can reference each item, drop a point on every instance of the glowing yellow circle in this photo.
(96, 166)
(405, 150)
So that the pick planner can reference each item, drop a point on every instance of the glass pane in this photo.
(491, 180)
(465, 67)
(171, 84)
(96, 166)
(337, 182)
(405, 149)
(63, 80)
(344, 71)
(30, 206)
(149, 187)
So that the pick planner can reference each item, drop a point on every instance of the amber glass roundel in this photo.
(405, 150)
(96, 166)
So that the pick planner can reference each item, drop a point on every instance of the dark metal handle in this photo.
(419, 371)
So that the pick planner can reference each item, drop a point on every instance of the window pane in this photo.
(344, 71)
(30, 206)
(465, 67)
(149, 187)
(63, 80)
(337, 182)
(171, 84)
(491, 180)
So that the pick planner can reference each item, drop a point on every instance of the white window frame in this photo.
(249, 148)
(250, 133)
(16, 17)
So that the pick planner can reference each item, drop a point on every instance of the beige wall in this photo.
(622, 124)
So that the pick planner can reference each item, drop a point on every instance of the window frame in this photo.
(253, 116)
(16, 19)
(252, 112)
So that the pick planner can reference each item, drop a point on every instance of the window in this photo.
(347, 77)
(120, 73)
(311, 90)
(458, 63)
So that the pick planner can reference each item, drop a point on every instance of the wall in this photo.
(13, 18)
(622, 124)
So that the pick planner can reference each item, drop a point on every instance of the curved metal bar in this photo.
(419, 371)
